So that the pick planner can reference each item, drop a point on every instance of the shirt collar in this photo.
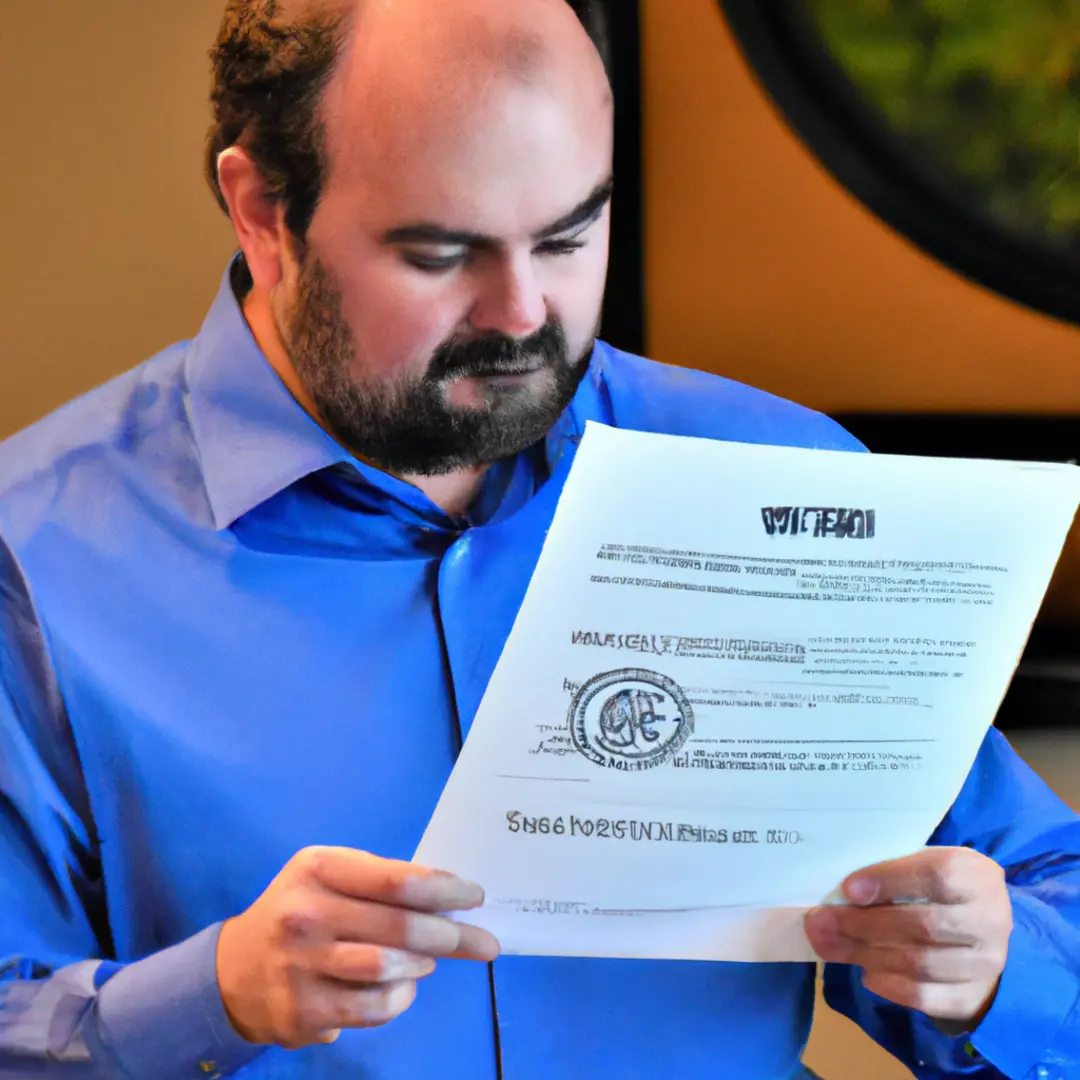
(254, 439)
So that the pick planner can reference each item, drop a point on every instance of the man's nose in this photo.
(511, 300)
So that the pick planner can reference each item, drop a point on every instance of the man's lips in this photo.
(503, 373)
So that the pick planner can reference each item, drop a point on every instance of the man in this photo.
(251, 593)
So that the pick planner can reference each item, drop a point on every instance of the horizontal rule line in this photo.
(822, 742)
(549, 779)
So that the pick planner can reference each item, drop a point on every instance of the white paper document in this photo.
(740, 673)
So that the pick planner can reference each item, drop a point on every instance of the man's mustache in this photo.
(499, 354)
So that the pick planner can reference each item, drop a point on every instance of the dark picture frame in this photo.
(615, 25)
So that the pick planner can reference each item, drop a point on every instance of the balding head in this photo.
(531, 40)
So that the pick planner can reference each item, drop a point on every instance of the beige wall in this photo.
(760, 266)
(112, 245)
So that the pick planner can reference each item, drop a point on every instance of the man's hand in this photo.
(942, 956)
(338, 940)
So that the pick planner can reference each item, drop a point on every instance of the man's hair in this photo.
(271, 64)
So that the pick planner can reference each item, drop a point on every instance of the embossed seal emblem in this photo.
(630, 719)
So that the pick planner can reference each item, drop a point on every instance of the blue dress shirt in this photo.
(223, 639)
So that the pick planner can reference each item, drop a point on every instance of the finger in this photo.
(938, 875)
(943, 1001)
(477, 944)
(943, 964)
(367, 923)
(897, 924)
(363, 876)
(368, 1006)
(350, 962)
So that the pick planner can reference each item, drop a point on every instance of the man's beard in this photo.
(408, 425)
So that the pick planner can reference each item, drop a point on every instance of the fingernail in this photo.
(861, 891)
(401, 997)
(479, 943)
(467, 893)
(396, 964)
(431, 935)
(440, 890)
(823, 924)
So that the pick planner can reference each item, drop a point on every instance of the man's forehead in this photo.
(495, 178)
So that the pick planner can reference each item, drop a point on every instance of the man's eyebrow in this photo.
(583, 213)
(430, 233)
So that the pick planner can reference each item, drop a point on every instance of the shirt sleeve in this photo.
(67, 1009)
(1032, 1031)
(163, 1016)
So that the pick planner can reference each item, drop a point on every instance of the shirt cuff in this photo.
(1037, 995)
(163, 1016)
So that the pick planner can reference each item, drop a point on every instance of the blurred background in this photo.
(870, 206)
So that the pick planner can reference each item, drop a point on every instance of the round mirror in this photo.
(958, 123)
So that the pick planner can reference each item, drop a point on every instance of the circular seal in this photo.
(630, 719)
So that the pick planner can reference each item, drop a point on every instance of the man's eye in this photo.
(432, 264)
(560, 247)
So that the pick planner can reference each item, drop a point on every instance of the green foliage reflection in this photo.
(989, 92)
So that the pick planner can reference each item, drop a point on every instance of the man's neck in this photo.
(454, 494)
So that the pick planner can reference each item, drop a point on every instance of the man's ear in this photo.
(257, 217)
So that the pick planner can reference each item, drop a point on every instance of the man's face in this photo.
(446, 304)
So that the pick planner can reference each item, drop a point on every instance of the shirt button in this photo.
(210, 1069)
(969, 1049)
